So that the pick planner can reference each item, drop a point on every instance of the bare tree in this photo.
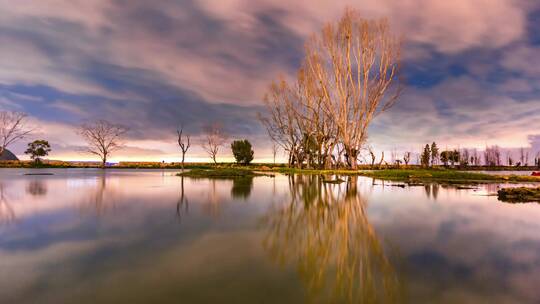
(12, 128)
(354, 63)
(348, 77)
(407, 158)
(214, 138)
(372, 155)
(183, 142)
(281, 121)
(102, 138)
(275, 149)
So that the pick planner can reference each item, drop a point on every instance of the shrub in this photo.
(242, 151)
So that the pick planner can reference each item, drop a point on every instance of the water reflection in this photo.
(36, 187)
(432, 190)
(182, 206)
(7, 214)
(325, 233)
(241, 187)
(99, 200)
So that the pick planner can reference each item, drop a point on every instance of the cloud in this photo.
(154, 65)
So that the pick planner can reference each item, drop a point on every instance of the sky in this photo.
(471, 70)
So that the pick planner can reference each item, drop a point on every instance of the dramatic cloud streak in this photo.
(471, 67)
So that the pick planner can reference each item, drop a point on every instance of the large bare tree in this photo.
(214, 139)
(13, 127)
(183, 142)
(348, 77)
(102, 138)
(356, 63)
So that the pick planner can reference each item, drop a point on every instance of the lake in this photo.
(142, 236)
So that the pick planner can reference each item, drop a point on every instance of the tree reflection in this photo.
(7, 214)
(97, 201)
(325, 232)
(432, 190)
(241, 188)
(36, 187)
(182, 206)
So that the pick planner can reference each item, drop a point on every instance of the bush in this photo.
(242, 151)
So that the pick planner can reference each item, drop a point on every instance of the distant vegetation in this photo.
(38, 149)
(220, 173)
(519, 195)
(242, 151)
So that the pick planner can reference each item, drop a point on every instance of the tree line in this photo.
(104, 138)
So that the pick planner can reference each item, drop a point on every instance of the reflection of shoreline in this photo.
(325, 233)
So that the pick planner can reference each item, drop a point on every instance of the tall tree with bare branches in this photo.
(356, 63)
(348, 77)
(102, 138)
(214, 139)
(183, 142)
(13, 127)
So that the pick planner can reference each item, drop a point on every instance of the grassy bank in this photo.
(519, 195)
(449, 176)
(220, 173)
(420, 175)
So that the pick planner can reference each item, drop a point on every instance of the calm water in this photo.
(84, 236)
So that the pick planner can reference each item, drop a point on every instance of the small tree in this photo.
(434, 153)
(445, 157)
(242, 151)
(407, 158)
(214, 138)
(102, 138)
(38, 149)
(454, 157)
(425, 157)
(275, 149)
(12, 128)
(184, 143)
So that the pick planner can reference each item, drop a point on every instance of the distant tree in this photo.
(13, 127)
(509, 159)
(213, 140)
(425, 156)
(372, 155)
(102, 138)
(275, 149)
(242, 151)
(434, 153)
(183, 143)
(407, 158)
(464, 158)
(38, 149)
(492, 156)
(521, 156)
(454, 157)
(451, 157)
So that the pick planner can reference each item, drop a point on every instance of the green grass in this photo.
(419, 175)
(441, 175)
(519, 195)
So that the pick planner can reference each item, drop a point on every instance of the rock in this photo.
(7, 155)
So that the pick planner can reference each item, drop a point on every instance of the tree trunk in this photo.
(183, 154)
(352, 158)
